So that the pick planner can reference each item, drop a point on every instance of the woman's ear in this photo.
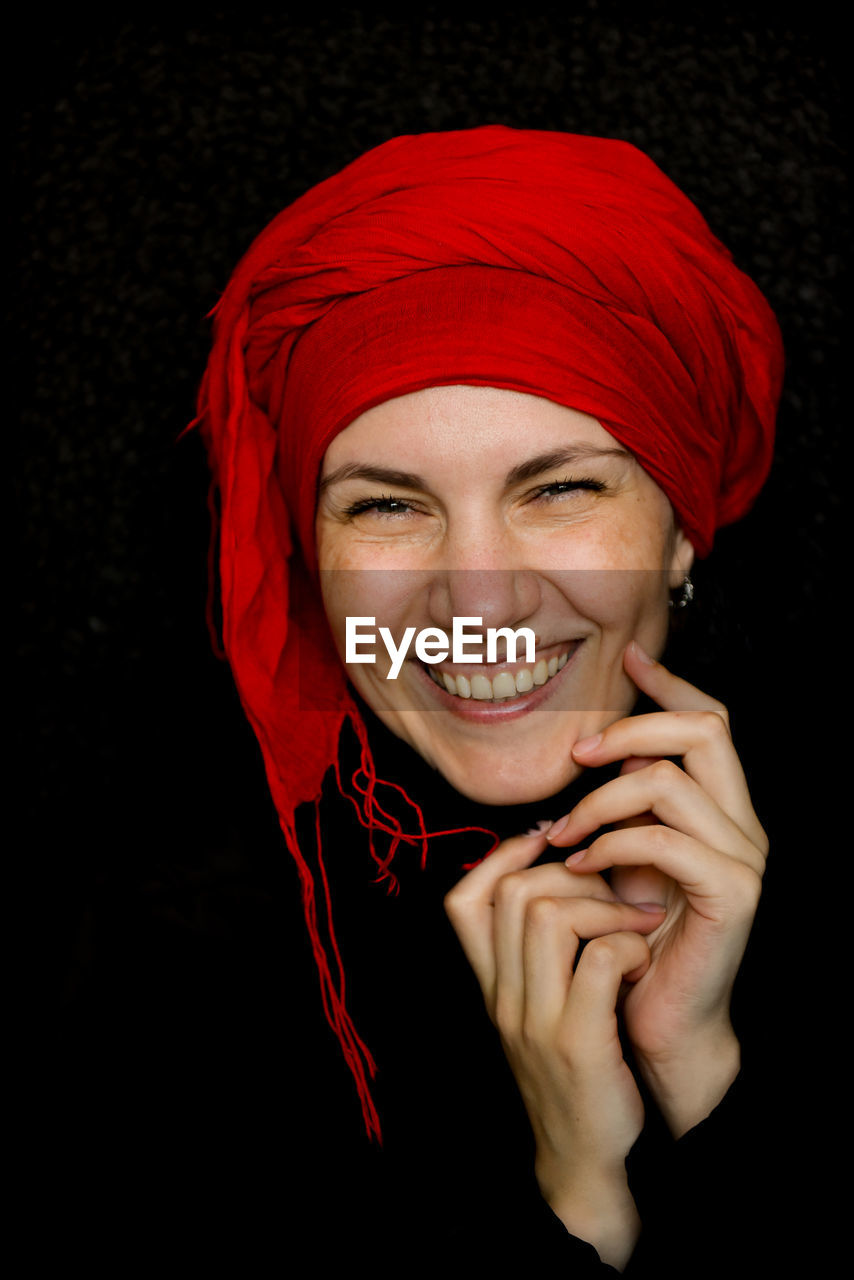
(681, 559)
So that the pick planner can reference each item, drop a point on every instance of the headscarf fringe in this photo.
(374, 818)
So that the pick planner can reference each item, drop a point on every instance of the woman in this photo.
(510, 380)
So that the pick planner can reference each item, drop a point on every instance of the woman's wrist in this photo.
(689, 1085)
(599, 1208)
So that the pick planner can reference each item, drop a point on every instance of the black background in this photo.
(151, 152)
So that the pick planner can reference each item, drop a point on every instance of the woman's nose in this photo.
(487, 581)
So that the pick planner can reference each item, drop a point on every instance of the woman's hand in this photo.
(520, 927)
(688, 839)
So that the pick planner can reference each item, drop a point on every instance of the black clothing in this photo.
(205, 1103)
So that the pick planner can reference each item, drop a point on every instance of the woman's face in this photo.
(480, 503)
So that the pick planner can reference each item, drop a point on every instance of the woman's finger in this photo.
(697, 729)
(588, 1023)
(511, 903)
(714, 883)
(700, 738)
(532, 991)
(666, 791)
(469, 905)
(642, 884)
(671, 692)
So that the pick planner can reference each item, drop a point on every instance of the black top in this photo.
(205, 1107)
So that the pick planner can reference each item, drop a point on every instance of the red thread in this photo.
(356, 1053)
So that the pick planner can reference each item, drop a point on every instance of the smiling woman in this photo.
(489, 523)
(512, 377)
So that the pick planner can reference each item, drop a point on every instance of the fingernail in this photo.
(588, 744)
(576, 857)
(642, 655)
(653, 907)
(540, 829)
(558, 826)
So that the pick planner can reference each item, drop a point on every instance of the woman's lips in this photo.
(476, 695)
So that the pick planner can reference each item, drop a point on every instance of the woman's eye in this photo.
(383, 506)
(560, 488)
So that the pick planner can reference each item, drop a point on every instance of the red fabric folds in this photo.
(563, 266)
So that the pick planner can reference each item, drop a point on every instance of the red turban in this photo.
(563, 266)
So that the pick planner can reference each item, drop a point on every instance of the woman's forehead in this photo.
(448, 423)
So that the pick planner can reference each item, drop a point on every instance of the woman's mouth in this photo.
(506, 684)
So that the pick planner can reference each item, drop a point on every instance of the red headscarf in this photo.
(563, 266)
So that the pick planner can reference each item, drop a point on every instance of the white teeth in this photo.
(524, 681)
(504, 685)
(481, 688)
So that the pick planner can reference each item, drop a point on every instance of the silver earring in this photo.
(686, 594)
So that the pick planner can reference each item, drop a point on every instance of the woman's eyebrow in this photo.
(560, 458)
(524, 471)
(380, 475)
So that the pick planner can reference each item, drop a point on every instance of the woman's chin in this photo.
(486, 791)
(509, 781)
(517, 763)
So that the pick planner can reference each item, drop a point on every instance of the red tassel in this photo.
(374, 818)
